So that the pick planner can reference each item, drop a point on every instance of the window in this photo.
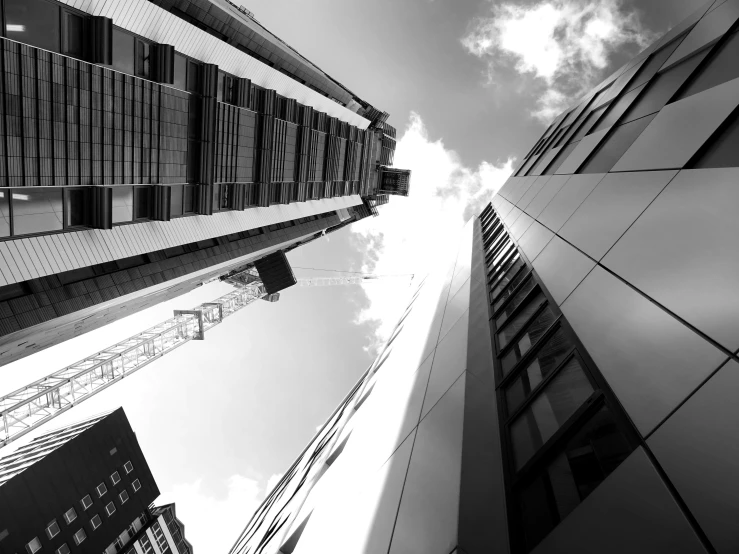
(128, 467)
(63, 549)
(180, 71)
(75, 206)
(79, 537)
(216, 197)
(70, 515)
(159, 536)
(115, 478)
(534, 331)
(73, 32)
(193, 76)
(34, 22)
(122, 204)
(95, 521)
(86, 502)
(136, 485)
(551, 408)
(517, 322)
(123, 497)
(110, 509)
(143, 58)
(37, 210)
(189, 199)
(34, 545)
(510, 282)
(52, 530)
(141, 202)
(123, 51)
(101, 489)
(514, 302)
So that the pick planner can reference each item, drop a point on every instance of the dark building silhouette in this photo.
(565, 381)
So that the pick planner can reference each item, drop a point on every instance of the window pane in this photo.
(587, 459)
(225, 189)
(511, 265)
(193, 76)
(73, 33)
(141, 198)
(190, 191)
(142, 59)
(509, 283)
(180, 71)
(216, 197)
(122, 204)
(75, 207)
(34, 22)
(549, 411)
(547, 359)
(37, 210)
(514, 302)
(4, 213)
(176, 200)
(517, 323)
(122, 51)
(534, 332)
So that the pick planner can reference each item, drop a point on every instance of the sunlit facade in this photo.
(565, 380)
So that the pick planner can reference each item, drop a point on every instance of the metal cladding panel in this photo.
(275, 272)
(146, 19)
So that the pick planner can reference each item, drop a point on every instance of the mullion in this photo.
(531, 354)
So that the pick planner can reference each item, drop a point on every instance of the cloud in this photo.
(213, 523)
(410, 232)
(564, 45)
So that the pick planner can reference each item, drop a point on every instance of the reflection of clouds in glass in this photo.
(565, 43)
(37, 211)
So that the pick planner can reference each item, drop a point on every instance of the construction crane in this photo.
(35, 404)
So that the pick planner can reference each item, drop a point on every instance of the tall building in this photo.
(149, 146)
(566, 381)
(85, 488)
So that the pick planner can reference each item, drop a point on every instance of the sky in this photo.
(470, 86)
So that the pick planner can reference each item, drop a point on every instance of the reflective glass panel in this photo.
(34, 22)
(547, 359)
(190, 191)
(75, 207)
(225, 191)
(216, 197)
(534, 332)
(141, 202)
(514, 302)
(517, 323)
(615, 145)
(37, 210)
(587, 459)
(123, 51)
(176, 200)
(122, 204)
(722, 67)
(180, 72)
(73, 34)
(554, 405)
(512, 280)
(143, 59)
(508, 270)
(4, 213)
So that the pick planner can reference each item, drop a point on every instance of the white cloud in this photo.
(272, 482)
(564, 43)
(410, 232)
(213, 523)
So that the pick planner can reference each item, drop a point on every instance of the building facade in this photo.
(566, 381)
(84, 488)
(148, 147)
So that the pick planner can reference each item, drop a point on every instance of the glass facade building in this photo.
(147, 147)
(564, 381)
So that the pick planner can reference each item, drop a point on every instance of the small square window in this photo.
(79, 537)
(70, 515)
(115, 478)
(63, 549)
(86, 502)
(102, 489)
(123, 497)
(110, 509)
(136, 485)
(128, 466)
(34, 545)
(113, 451)
(95, 521)
(52, 530)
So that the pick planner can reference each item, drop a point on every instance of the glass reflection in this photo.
(34, 22)
(517, 323)
(510, 282)
(546, 360)
(534, 332)
(562, 396)
(122, 204)
(37, 210)
(510, 266)
(176, 200)
(527, 287)
(123, 51)
(4, 213)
